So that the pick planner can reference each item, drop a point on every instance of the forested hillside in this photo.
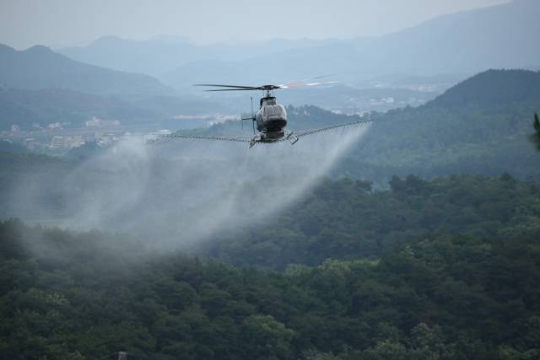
(492, 91)
(480, 126)
(345, 219)
(448, 269)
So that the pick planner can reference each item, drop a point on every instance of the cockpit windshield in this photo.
(268, 101)
(274, 112)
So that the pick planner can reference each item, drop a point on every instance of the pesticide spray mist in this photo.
(182, 192)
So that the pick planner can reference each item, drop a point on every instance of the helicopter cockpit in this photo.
(272, 116)
(268, 100)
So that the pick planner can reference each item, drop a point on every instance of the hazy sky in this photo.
(24, 23)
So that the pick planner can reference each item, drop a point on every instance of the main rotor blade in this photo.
(231, 86)
(269, 87)
(300, 84)
(320, 77)
(234, 89)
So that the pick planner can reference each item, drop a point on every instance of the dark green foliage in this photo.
(468, 289)
(346, 219)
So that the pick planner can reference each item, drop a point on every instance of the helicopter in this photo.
(270, 121)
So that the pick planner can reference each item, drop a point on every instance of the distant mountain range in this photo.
(40, 68)
(160, 55)
(502, 36)
(420, 62)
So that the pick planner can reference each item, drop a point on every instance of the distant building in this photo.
(74, 142)
(57, 142)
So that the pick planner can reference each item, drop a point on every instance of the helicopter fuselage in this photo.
(271, 119)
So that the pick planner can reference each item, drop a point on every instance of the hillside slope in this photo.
(67, 294)
(39, 68)
(481, 126)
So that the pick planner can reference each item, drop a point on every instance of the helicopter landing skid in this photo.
(254, 141)
(289, 135)
(293, 139)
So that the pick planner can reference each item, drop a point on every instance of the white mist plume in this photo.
(185, 191)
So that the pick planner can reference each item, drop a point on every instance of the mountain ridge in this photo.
(493, 89)
(39, 68)
(464, 42)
